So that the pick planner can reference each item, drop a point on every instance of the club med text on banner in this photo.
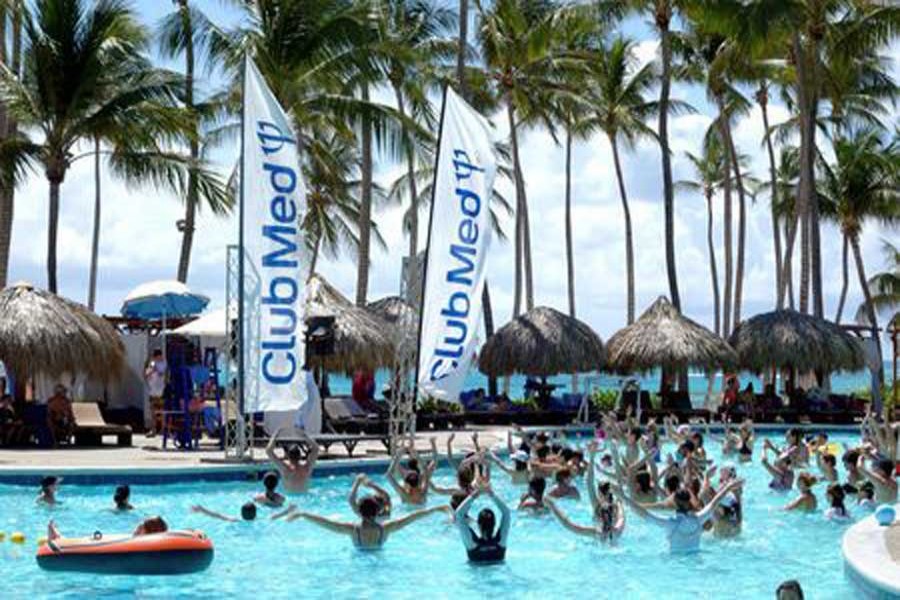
(459, 238)
(274, 200)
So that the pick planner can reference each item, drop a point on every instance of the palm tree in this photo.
(863, 184)
(67, 37)
(885, 286)
(709, 169)
(620, 111)
(8, 125)
(782, 196)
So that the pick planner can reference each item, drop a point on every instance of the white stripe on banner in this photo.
(274, 202)
(457, 253)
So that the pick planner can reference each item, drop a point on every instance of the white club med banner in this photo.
(273, 202)
(458, 241)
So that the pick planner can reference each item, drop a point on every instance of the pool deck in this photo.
(872, 557)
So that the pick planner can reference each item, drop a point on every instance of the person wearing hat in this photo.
(518, 473)
(49, 486)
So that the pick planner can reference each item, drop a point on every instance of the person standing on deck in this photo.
(155, 378)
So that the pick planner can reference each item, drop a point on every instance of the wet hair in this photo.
(672, 483)
(48, 482)
(457, 498)
(789, 590)
(556, 448)
(155, 525)
(823, 435)
(369, 508)
(886, 466)
(642, 479)
(829, 459)
(867, 489)
(270, 481)
(121, 495)
(567, 454)
(562, 475)
(520, 465)
(413, 464)
(536, 487)
(795, 434)
(604, 489)
(543, 452)
(412, 479)
(157, 352)
(687, 446)
(293, 453)
(606, 458)
(465, 476)
(542, 438)
(683, 501)
(487, 521)
(807, 479)
(248, 511)
(836, 491)
(850, 457)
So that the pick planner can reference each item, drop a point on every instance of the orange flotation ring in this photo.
(169, 553)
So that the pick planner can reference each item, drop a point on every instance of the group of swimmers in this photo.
(684, 493)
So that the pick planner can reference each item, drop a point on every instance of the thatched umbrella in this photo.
(789, 339)
(361, 339)
(663, 337)
(401, 315)
(42, 333)
(541, 343)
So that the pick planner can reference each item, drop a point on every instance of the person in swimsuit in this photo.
(414, 489)
(294, 471)
(489, 544)
(368, 534)
(806, 501)
(782, 471)
(49, 487)
(866, 498)
(518, 474)
(881, 475)
(270, 497)
(533, 499)
(827, 464)
(121, 497)
(609, 517)
(148, 526)
(248, 513)
(564, 487)
(837, 511)
(378, 493)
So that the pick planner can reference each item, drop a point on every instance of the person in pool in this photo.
(729, 515)
(414, 488)
(881, 475)
(827, 464)
(836, 511)
(248, 513)
(533, 499)
(270, 497)
(685, 528)
(378, 493)
(806, 501)
(294, 471)
(782, 471)
(488, 545)
(519, 473)
(564, 487)
(148, 526)
(49, 487)
(609, 517)
(866, 497)
(850, 460)
(121, 498)
(368, 534)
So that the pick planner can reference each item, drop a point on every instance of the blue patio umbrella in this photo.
(163, 300)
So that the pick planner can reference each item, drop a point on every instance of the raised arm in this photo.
(706, 512)
(450, 458)
(461, 518)
(772, 469)
(313, 454)
(567, 522)
(643, 512)
(398, 524)
(270, 447)
(591, 476)
(392, 475)
(284, 513)
(500, 464)
(354, 492)
(211, 513)
(324, 522)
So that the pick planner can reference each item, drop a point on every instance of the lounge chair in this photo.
(344, 415)
(90, 426)
(679, 404)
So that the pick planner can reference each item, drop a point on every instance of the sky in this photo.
(139, 240)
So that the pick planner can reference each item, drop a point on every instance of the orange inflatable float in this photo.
(169, 553)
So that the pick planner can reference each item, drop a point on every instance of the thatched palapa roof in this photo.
(663, 337)
(42, 333)
(787, 338)
(362, 340)
(541, 343)
(402, 317)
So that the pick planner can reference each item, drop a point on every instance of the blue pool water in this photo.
(279, 560)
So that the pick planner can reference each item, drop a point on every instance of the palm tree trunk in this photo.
(713, 268)
(727, 240)
(845, 279)
(787, 277)
(365, 208)
(570, 254)
(526, 251)
(725, 127)
(488, 331)
(805, 189)
(668, 188)
(314, 258)
(413, 283)
(9, 129)
(95, 238)
(629, 238)
(190, 205)
(52, 232)
(870, 306)
(5, 204)
(520, 201)
(762, 97)
(461, 51)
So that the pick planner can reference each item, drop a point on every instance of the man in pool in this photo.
(121, 498)
(270, 497)
(49, 487)
(248, 513)
(686, 526)
(148, 526)
(414, 489)
(881, 475)
(368, 534)
(294, 471)
(489, 544)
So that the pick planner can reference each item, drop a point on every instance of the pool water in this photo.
(426, 560)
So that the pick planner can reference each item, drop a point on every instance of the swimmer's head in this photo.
(829, 460)
(789, 590)
(486, 522)
(836, 495)
(634, 435)
(697, 438)
(121, 495)
(270, 481)
(606, 460)
(412, 479)
(413, 464)
(457, 498)
(542, 452)
(794, 435)
(850, 458)
(248, 511)
(604, 490)
(643, 479)
(683, 501)
(465, 476)
(696, 485)
(294, 454)
(49, 483)
(154, 525)
(520, 459)
(885, 467)
(368, 508)
(672, 483)
(563, 476)
(806, 480)
(536, 487)
(867, 490)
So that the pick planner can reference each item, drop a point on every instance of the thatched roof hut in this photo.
(663, 337)
(541, 343)
(42, 333)
(789, 339)
(361, 339)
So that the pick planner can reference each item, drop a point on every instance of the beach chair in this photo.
(343, 415)
(91, 427)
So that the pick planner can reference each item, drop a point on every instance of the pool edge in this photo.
(867, 560)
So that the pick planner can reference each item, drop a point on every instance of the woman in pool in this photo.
(49, 487)
(533, 499)
(850, 460)
(685, 528)
(782, 471)
(564, 487)
(378, 493)
(368, 534)
(806, 501)
(121, 497)
(489, 544)
(836, 511)
(827, 464)
(270, 497)
(609, 521)
(866, 498)
(519, 473)
(414, 489)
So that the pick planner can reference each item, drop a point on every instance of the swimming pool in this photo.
(427, 560)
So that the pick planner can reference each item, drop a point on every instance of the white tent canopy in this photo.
(213, 324)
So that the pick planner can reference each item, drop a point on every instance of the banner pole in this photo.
(437, 162)
(240, 311)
